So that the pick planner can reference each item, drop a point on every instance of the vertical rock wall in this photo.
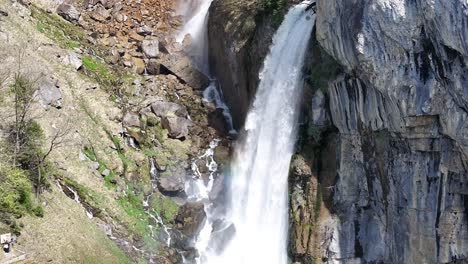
(401, 187)
(238, 41)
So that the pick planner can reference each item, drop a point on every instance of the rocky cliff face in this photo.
(400, 191)
(382, 176)
(239, 40)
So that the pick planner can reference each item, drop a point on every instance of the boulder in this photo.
(163, 109)
(101, 11)
(144, 30)
(113, 57)
(173, 179)
(49, 94)
(153, 67)
(74, 60)
(105, 172)
(221, 154)
(177, 126)
(138, 65)
(68, 12)
(135, 36)
(150, 47)
(190, 218)
(182, 67)
(136, 134)
(131, 120)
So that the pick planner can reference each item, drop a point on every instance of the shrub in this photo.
(38, 211)
(15, 191)
(275, 9)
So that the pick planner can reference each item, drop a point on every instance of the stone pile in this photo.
(136, 35)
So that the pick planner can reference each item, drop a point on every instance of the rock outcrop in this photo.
(399, 192)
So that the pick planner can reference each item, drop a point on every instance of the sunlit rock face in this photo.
(400, 192)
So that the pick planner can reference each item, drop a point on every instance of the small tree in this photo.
(23, 90)
(27, 137)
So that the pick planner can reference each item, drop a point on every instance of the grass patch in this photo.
(318, 203)
(100, 71)
(276, 9)
(69, 36)
(108, 179)
(64, 33)
(132, 204)
(88, 197)
(165, 207)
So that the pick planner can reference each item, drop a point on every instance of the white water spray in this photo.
(258, 205)
(213, 95)
(198, 190)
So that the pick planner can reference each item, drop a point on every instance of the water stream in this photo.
(165, 235)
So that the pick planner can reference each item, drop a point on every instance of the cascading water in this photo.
(195, 13)
(258, 203)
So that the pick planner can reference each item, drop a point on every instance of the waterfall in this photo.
(258, 195)
(195, 13)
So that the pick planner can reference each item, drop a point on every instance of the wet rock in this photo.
(190, 218)
(178, 127)
(237, 55)
(68, 12)
(150, 47)
(217, 121)
(221, 154)
(187, 42)
(49, 95)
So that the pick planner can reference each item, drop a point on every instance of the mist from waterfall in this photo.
(258, 195)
